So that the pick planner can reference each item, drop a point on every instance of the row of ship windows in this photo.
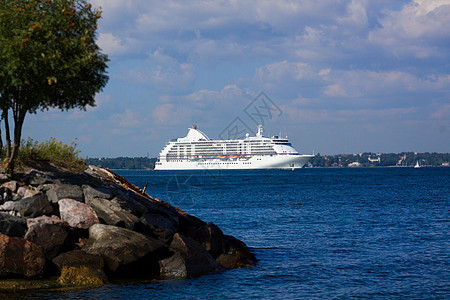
(234, 145)
(219, 154)
(227, 142)
(221, 149)
(227, 145)
(225, 163)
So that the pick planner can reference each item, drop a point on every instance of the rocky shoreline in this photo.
(95, 227)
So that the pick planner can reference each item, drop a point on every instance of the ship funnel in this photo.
(260, 131)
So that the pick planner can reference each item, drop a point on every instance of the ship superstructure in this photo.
(197, 151)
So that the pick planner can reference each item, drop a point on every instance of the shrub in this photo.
(52, 151)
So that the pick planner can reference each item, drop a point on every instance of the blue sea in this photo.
(377, 233)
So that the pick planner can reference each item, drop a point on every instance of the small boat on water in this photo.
(417, 165)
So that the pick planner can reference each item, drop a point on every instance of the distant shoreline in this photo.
(362, 160)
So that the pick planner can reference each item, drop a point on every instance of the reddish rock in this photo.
(49, 236)
(19, 257)
(44, 220)
(77, 214)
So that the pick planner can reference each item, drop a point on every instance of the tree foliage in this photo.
(49, 59)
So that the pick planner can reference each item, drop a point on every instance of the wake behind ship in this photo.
(196, 151)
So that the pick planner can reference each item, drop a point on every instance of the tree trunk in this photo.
(1, 141)
(19, 118)
(7, 134)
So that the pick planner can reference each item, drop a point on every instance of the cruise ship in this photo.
(196, 151)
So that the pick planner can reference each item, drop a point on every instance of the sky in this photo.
(335, 76)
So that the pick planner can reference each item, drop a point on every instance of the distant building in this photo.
(354, 164)
(374, 159)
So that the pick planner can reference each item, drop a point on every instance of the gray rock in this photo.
(12, 226)
(112, 214)
(119, 246)
(11, 185)
(129, 204)
(77, 214)
(190, 259)
(65, 191)
(25, 192)
(157, 226)
(36, 178)
(5, 195)
(237, 254)
(90, 193)
(34, 206)
(210, 237)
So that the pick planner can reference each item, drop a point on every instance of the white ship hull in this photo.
(255, 162)
(196, 151)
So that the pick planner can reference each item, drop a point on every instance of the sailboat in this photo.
(417, 165)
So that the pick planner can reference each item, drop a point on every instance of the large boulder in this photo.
(77, 214)
(190, 259)
(36, 178)
(57, 192)
(210, 236)
(120, 246)
(80, 268)
(237, 254)
(19, 257)
(49, 236)
(91, 193)
(129, 204)
(5, 195)
(31, 207)
(157, 226)
(111, 214)
(44, 220)
(11, 185)
(12, 226)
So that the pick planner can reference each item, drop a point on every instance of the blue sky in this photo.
(339, 76)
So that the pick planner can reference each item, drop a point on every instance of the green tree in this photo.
(49, 59)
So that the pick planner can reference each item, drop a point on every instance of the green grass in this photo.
(52, 151)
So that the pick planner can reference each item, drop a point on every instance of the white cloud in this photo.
(111, 45)
(419, 28)
(368, 84)
(163, 73)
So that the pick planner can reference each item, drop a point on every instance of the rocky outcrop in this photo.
(34, 206)
(190, 259)
(77, 214)
(65, 191)
(19, 257)
(49, 236)
(119, 246)
(94, 227)
(12, 226)
(112, 214)
(80, 268)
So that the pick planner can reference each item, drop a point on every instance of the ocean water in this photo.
(378, 233)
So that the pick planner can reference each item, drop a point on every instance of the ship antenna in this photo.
(194, 126)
